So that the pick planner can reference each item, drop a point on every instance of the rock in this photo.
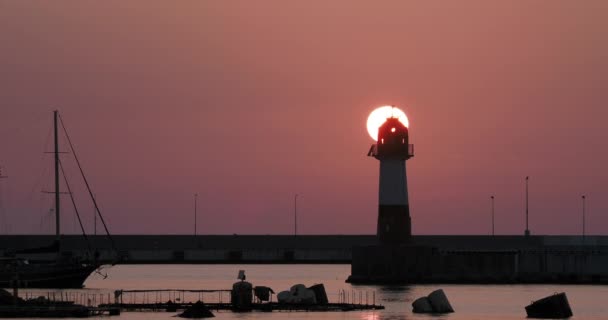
(435, 302)
(307, 296)
(241, 296)
(555, 306)
(171, 307)
(285, 297)
(297, 294)
(320, 294)
(297, 288)
(262, 293)
(439, 302)
(422, 305)
(197, 310)
(302, 295)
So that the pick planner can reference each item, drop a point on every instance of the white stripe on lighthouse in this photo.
(393, 182)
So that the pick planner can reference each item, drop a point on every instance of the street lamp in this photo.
(195, 200)
(583, 198)
(492, 199)
(527, 232)
(295, 215)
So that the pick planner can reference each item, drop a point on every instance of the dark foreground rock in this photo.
(197, 310)
(422, 305)
(263, 293)
(555, 307)
(297, 294)
(435, 302)
(320, 294)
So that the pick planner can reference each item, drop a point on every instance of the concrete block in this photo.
(422, 305)
(439, 301)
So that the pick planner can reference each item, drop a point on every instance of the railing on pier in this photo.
(82, 297)
(178, 299)
(357, 297)
(152, 296)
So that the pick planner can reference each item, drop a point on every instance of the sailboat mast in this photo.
(57, 221)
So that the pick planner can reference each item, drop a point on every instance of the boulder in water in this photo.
(285, 297)
(262, 293)
(439, 301)
(302, 295)
(297, 288)
(422, 305)
(436, 300)
(555, 306)
(307, 297)
(297, 294)
(320, 294)
(197, 310)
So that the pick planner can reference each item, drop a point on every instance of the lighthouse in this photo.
(392, 149)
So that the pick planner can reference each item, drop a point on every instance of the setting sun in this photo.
(379, 116)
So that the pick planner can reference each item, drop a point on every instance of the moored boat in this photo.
(62, 272)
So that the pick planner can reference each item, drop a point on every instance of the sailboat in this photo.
(63, 271)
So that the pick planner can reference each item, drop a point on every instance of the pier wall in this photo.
(319, 248)
(135, 249)
(420, 264)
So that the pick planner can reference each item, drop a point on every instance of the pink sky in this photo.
(250, 102)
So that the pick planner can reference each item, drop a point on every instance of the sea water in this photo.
(469, 301)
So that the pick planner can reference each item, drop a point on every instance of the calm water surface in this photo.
(469, 301)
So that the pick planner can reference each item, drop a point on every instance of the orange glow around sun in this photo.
(379, 116)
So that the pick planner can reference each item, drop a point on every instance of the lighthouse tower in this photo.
(393, 149)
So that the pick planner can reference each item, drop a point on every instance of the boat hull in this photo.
(46, 276)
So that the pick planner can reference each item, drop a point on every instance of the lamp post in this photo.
(527, 232)
(195, 200)
(2, 211)
(492, 200)
(295, 215)
(583, 198)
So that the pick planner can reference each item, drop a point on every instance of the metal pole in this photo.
(295, 215)
(527, 232)
(492, 198)
(195, 198)
(57, 221)
(5, 229)
(583, 197)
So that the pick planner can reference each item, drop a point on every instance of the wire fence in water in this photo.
(180, 296)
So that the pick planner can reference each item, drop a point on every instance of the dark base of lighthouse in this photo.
(411, 264)
(390, 264)
(394, 224)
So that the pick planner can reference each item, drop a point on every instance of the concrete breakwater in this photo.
(419, 264)
(530, 251)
